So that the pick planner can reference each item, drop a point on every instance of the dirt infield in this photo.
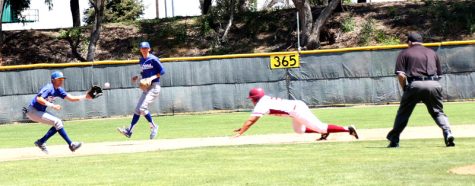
(133, 146)
(466, 170)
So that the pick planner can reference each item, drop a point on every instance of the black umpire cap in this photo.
(414, 37)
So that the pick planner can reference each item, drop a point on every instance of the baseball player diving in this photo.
(36, 110)
(303, 120)
(151, 72)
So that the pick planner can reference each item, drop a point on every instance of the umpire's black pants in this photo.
(430, 93)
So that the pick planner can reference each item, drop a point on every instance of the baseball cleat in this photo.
(323, 137)
(153, 132)
(450, 141)
(42, 146)
(125, 132)
(393, 145)
(352, 131)
(74, 146)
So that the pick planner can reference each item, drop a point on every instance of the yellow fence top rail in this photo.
(230, 56)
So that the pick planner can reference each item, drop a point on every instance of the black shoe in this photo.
(449, 142)
(42, 146)
(353, 132)
(323, 137)
(74, 146)
(393, 145)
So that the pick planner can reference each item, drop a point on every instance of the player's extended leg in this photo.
(47, 118)
(298, 127)
(151, 95)
(127, 132)
(142, 109)
(314, 125)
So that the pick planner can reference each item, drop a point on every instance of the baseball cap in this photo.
(414, 37)
(57, 75)
(256, 93)
(144, 44)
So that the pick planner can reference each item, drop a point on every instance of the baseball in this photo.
(107, 85)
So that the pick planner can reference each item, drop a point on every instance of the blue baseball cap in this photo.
(144, 44)
(57, 75)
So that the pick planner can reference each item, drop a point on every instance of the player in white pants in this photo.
(36, 111)
(152, 70)
(303, 120)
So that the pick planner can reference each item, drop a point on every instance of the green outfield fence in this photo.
(197, 84)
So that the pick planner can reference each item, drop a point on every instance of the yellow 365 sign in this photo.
(285, 61)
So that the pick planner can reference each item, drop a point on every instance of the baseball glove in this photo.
(145, 84)
(95, 92)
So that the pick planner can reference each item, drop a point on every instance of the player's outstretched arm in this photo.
(77, 98)
(246, 125)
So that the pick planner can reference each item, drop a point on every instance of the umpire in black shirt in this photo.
(418, 71)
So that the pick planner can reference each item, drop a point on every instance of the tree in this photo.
(2, 3)
(73, 36)
(205, 6)
(306, 18)
(311, 30)
(268, 4)
(99, 7)
(75, 13)
(226, 9)
(231, 9)
(117, 11)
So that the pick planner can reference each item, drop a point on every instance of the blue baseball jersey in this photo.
(49, 93)
(151, 66)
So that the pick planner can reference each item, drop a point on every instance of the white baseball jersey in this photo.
(274, 106)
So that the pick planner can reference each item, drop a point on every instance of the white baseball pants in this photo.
(303, 118)
(44, 117)
(147, 98)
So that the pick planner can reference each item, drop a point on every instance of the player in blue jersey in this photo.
(151, 72)
(36, 111)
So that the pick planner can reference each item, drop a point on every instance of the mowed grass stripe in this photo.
(418, 162)
(211, 125)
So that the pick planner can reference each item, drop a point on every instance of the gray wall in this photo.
(191, 86)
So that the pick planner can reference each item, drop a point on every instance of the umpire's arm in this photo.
(402, 79)
(401, 70)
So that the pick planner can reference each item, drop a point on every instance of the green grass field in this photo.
(185, 126)
(418, 162)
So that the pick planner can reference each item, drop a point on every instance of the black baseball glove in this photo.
(95, 92)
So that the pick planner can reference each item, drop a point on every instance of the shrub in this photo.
(367, 32)
(348, 24)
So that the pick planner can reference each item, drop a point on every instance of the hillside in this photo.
(358, 25)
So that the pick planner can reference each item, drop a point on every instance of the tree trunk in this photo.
(74, 44)
(325, 2)
(242, 5)
(306, 18)
(270, 3)
(74, 5)
(314, 39)
(230, 21)
(205, 6)
(2, 3)
(96, 28)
